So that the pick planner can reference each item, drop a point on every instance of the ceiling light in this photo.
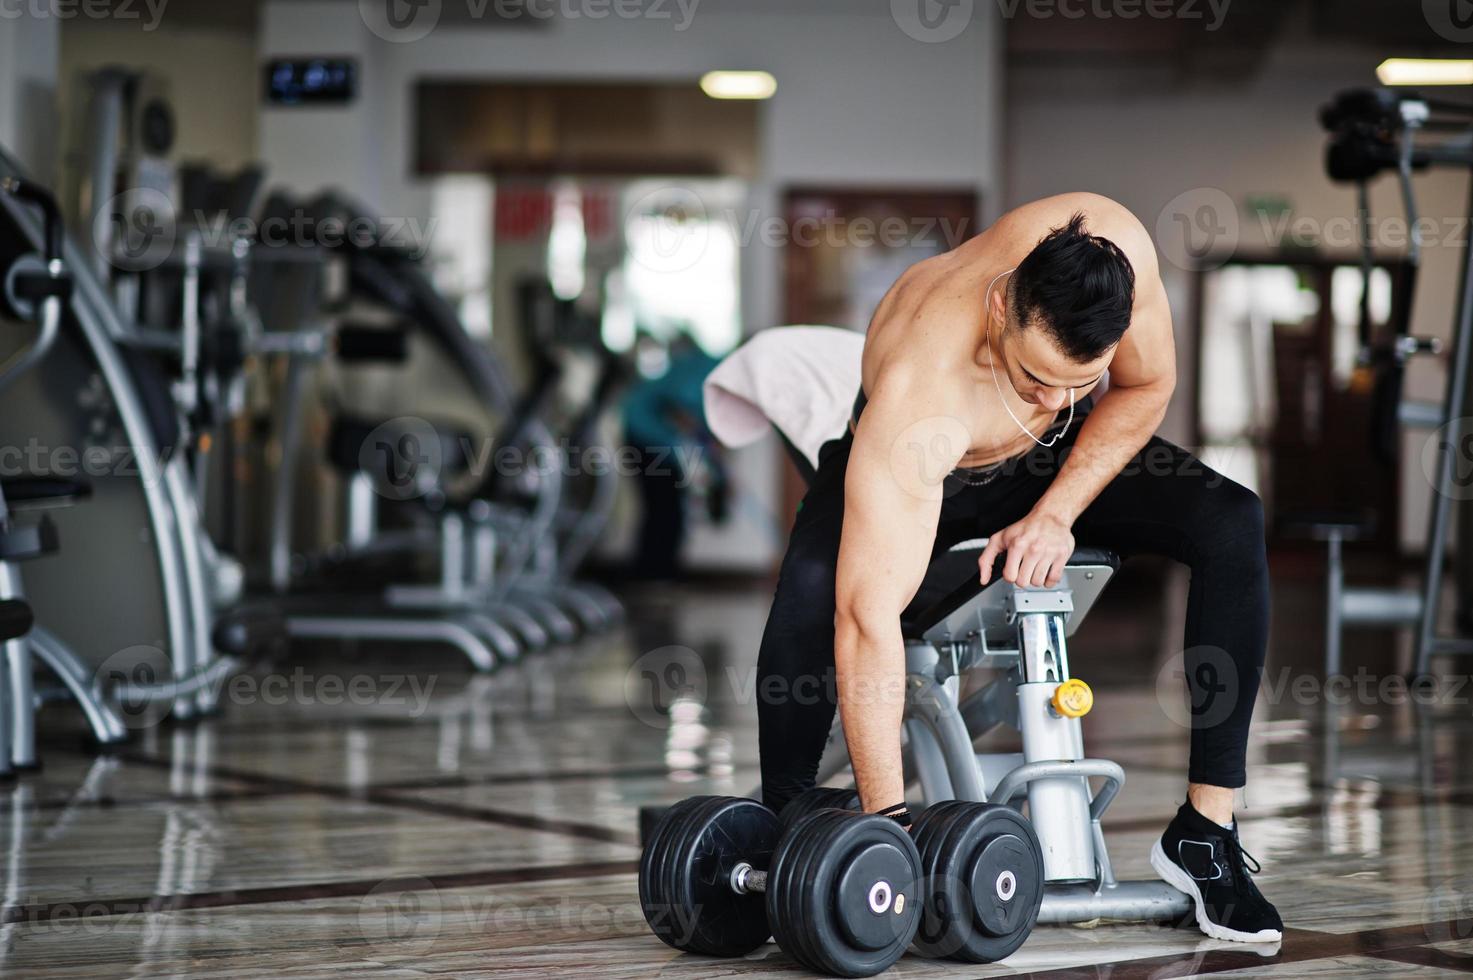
(738, 84)
(1425, 71)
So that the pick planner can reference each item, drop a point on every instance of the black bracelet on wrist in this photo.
(900, 813)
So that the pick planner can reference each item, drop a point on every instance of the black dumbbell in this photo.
(983, 869)
(986, 873)
(836, 889)
(818, 798)
(649, 819)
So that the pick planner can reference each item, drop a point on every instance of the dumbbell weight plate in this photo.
(793, 926)
(649, 818)
(818, 798)
(984, 880)
(842, 892)
(685, 875)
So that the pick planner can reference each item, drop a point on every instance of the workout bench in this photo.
(951, 629)
(954, 626)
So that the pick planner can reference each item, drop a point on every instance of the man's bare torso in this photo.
(933, 318)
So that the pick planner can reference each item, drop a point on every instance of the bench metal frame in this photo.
(1023, 634)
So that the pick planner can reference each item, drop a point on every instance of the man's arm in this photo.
(907, 440)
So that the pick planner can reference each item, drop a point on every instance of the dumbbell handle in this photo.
(746, 879)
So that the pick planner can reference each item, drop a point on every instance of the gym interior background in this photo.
(350, 627)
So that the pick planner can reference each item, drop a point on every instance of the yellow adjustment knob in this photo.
(1073, 698)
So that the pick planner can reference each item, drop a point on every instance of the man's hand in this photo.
(1037, 547)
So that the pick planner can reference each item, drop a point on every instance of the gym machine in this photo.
(36, 289)
(1374, 132)
(140, 510)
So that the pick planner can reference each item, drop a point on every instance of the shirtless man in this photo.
(978, 369)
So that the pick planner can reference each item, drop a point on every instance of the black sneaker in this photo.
(1206, 860)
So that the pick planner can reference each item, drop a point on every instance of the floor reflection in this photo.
(488, 826)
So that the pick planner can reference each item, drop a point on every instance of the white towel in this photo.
(803, 380)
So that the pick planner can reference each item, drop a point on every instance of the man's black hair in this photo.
(1077, 286)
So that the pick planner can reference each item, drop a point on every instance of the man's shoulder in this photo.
(1028, 223)
(1103, 215)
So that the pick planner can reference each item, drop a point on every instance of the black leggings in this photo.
(1165, 502)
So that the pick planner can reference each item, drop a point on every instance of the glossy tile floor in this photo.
(365, 813)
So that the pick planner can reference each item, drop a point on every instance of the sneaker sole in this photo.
(1182, 882)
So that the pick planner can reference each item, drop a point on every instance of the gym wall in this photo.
(834, 122)
(214, 81)
(28, 60)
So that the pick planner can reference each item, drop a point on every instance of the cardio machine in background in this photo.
(484, 495)
(128, 617)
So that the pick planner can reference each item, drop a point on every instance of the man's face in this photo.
(1039, 372)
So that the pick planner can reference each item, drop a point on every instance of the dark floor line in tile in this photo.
(102, 908)
(1299, 946)
(1427, 956)
(514, 778)
(525, 821)
(110, 802)
(505, 818)
(388, 795)
(1390, 799)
